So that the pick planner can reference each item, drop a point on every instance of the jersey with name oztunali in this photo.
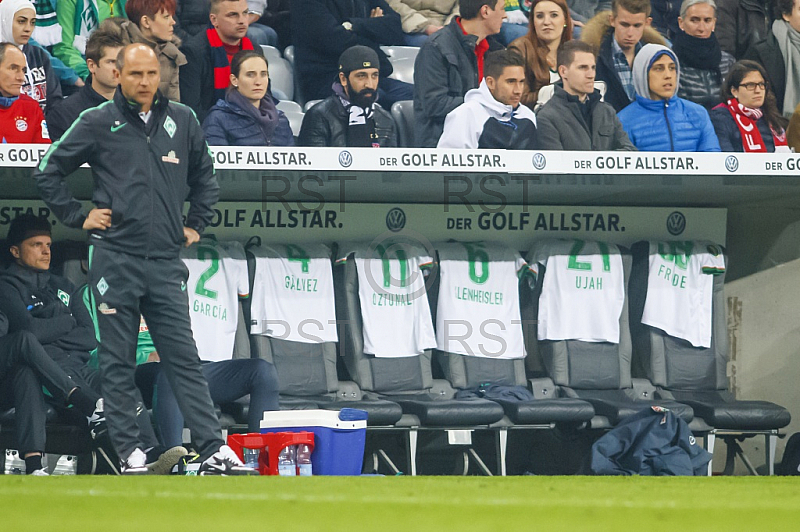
(582, 292)
(478, 308)
(293, 293)
(680, 289)
(217, 278)
(395, 314)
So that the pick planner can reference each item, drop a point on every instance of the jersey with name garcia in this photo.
(680, 289)
(293, 293)
(582, 292)
(478, 308)
(395, 314)
(217, 279)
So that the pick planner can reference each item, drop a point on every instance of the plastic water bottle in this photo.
(303, 460)
(287, 467)
(251, 457)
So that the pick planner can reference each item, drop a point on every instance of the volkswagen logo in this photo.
(395, 219)
(731, 163)
(345, 159)
(676, 223)
(539, 162)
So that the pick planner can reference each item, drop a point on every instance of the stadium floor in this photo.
(399, 503)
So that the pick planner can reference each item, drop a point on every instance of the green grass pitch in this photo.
(149, 504)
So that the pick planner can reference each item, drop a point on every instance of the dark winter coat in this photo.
(768, 54)
(728, 134)
(325, 124)
(742, 23)
(227, 124)
(64, 114)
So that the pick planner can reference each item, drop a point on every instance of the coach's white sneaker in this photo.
(225, 462)
(135, 464)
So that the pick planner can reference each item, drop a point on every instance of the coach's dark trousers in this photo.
(123, 287)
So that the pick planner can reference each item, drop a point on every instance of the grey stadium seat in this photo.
(403, 114)
(288, 106)
(295, 120)
(697, 376)
(307, 375)
(281, 76)
(408, 381)
(597, 372)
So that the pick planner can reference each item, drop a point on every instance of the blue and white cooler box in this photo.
(339, 437)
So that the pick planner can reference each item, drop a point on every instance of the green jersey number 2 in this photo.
(206, 253)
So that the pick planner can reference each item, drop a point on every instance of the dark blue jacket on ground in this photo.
(652, 442)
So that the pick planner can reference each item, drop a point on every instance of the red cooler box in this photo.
(339, 436)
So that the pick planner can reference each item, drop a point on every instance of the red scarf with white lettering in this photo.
(746, 119)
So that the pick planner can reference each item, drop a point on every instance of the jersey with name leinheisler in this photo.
(293, 293)
(583, 290)
(217, 279)
(680, 289)
(395, 314)
(478, 308)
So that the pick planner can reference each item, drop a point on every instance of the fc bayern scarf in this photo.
(222, 68)
(746, 119)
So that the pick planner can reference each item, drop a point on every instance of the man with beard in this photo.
(350, 117)
(704, 65)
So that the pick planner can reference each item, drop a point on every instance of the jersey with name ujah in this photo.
(680, 289)
(395, 314)
(582, 292)
(293, 293)
(217, 279)
(478, 308)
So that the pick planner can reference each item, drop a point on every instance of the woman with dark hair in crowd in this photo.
(152, 22)
(749, 121)
(248, 116)
(550, 25)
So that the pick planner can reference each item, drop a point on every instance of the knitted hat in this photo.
(26, 226)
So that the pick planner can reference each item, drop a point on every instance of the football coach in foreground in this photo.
(148, 155)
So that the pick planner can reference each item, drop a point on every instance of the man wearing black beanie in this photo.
(350, 117)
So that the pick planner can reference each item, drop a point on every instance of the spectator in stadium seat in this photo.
(17, 20)
(704, 65)
(350, 117)
(743, 23)
(204, 78)
(152, 22)
(658, 120)
(748, 120)
(550, 26)
(618, 36)
(48, 309)
(101, 59)
(78, 19)
(21, 118)
(422, 18)
(793, 132)
(260, 34)
(779, 53)
(575, 118)
(323, 29)
(491, 116)
(451, 63)
(248, 116)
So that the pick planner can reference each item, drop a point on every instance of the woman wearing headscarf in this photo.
(248, 116)
(748, 120)
(17, 20)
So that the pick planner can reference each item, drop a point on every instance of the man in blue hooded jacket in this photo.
(658, 120)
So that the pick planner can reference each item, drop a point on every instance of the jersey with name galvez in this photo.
(395, 313)
(478, 309)
(217, 278)
(293, 293)
(583, 290)
(680, 289)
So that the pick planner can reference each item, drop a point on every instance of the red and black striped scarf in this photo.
(222, 67)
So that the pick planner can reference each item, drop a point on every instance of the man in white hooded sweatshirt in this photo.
(491, 116)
